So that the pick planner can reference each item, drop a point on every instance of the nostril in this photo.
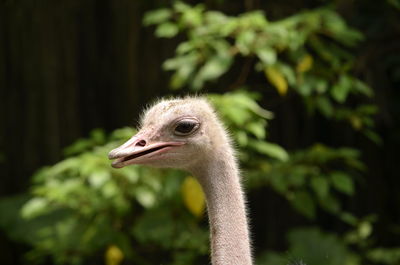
(141, 143)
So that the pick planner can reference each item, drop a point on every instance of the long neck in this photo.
(229, 234)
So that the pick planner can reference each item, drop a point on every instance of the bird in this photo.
(186, 133)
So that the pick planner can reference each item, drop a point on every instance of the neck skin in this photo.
(229, 234)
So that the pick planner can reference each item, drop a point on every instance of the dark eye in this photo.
(185, 127)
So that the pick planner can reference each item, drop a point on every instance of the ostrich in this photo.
(187, 134)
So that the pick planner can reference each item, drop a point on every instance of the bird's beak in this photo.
(138, 150)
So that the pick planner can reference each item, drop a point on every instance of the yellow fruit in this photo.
(305, 64)
(277, 79)
(193, 196)
(113, 255)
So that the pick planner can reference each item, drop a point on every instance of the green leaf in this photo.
(245, 40)
(110, 190)
(212, 69)
(365, 229)
(241, 138)
(216, 18)
(304, 204)
(267, 55)
(396, 4)
(362, 88)
(340, 90)
(98, 136)
(342, 182)
(193, 16)
(389, 256)
(181, 6)
(373, 136)
(305, 89)
(279, 183)
(324, 106)
(145, 197)
(257, 129)
(330, 204)
(34, 207)
(288, 72)
(98, 178)
(167, 30)
(78, 146)
(316, 247)
(349, 218)
(184, 47)
(270, 149)
(157, 16)
(320, 185)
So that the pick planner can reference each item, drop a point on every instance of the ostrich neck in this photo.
(229, 234)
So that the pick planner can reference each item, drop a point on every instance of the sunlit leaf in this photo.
(98, 178)
(257, 129)
(365, 229)
(212, 69)
(167, 30)
(270, 149)
(242, 138)
(145, 196)
(34, 207)
(267, 55)
(193, 16)
(244, 41)
(157, 16)
(183, 48)
(181, 6)
(193, 196)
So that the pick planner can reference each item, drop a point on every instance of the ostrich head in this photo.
(176, 133)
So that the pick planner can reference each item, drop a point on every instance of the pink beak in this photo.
(138, 151)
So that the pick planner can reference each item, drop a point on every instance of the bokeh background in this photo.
(308, 89)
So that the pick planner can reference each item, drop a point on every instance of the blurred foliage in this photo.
(81, 205)
(313, 247)
(82, 208)
(315, 176)
(305, 53)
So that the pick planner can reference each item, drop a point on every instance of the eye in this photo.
(186, 127)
